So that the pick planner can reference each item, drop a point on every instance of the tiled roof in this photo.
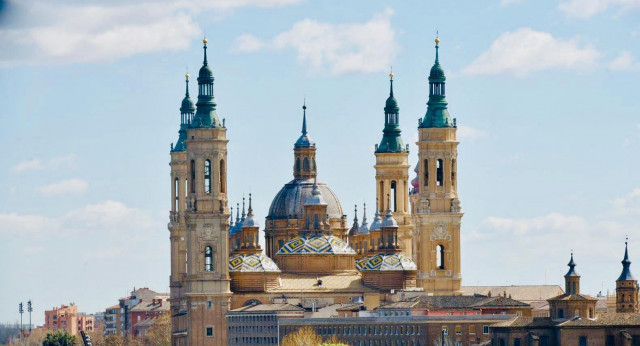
(147, 322)
(149, 306)
(617, 319)
(268, 307)
(577, 296)
(330, 283)
(524, 293)
(454, 302)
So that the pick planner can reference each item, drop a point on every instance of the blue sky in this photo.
(545, 94)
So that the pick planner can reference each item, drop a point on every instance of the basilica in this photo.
(313, 256)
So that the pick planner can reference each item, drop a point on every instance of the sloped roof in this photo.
(454, 302)
(291, 282)
(578, 296)
(268, 307)
(149, 306)
(523, 293)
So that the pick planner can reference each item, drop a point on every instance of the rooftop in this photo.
(453, 302)
(330, 283)
(523, 293)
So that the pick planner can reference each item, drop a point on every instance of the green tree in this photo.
(59, 338)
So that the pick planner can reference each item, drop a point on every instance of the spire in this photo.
(364, 228)
(626, 265)
(376, 219)
(231, 219)
(572, 267)
(187, 109)
(206, 115)
(437, 114)
(249, 221)
(355, 227)
(391, 134)
(243, 213)
(389, 221)
(237, 213)
(304, 141)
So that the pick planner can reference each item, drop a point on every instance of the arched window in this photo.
(314, 164)
(186, 192)
(193, 176)
(297, 164)
(208, 259)
(394, 196)
(440, 256)
(223, 177)
(439, 175)
(176, 198)
(576, 313)
(574, 288)
(305, 164)
(453, 173)
(426, 172)
(560, 313)
(207, 176)
(316, 223)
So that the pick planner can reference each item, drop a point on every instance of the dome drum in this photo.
(388, 271)
(318, 254)
(253, 273)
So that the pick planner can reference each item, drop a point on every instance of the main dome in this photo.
(289, 202)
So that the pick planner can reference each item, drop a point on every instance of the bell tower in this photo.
(392, 173)
(626, 287)
(435, 204)
(207, 281)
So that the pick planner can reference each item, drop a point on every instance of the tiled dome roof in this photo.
(386, 262)
(252, 263)
(289, 202)
(317, 244)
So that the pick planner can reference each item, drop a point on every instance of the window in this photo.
(560, 313)
(223, 177)
(440, 256)
(516, 342)
(439, 175)
(472, 329)
(394, 196)
(193, 176)
(611, 340)
(485, 329)
(458, 330)
(207, 176)
(298, 164)
(208, 259)
(305, 164)
(582, 341)
(280, 244)
(453, 173)
(176, 184)
(426, 172)
(209, 331)
(445, 330)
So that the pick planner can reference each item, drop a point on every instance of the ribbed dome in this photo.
(289, 202)
(391, 106)
(316, 245)
(437, 73)
(252, 263)
(187, 105)
(205, 71)
(386, 262)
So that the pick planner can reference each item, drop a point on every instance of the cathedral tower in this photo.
(392, 172)
(207, 221)
(436, 207)
(177, 223)
(626, 287)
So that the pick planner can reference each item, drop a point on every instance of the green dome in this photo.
(187, 105)
(437, 73)
(392, 105)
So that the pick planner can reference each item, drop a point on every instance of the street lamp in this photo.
(30, 309)
(21, 311)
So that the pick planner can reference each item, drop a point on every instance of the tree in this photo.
(304, 336)
(37, 337)
(59, 338)
(333, 341)
(159, 333)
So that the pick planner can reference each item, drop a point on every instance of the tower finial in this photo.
(364, 212)
(391, 84)
(186, 76)
(250, 208)
(237, 212)
(231, 221)
(304, 116)
(437, 46)
(204, 41)
(388, 203)
(243, 213)
(355, 213)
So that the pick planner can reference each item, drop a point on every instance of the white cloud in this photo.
(340, 48)
(79, 32)
(33, 164)
(521, 52)
(625, 62)
(108, 217)
(468, 133)
(65, 187)
(628, 204)
(589, 8)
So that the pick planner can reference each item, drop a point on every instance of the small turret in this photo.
(355, 227)
(391, 138)
(206, 115)
(437, 114)
(626, 286)
(572, 278)
(304, 152)
(364, 228)
(187, 111)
